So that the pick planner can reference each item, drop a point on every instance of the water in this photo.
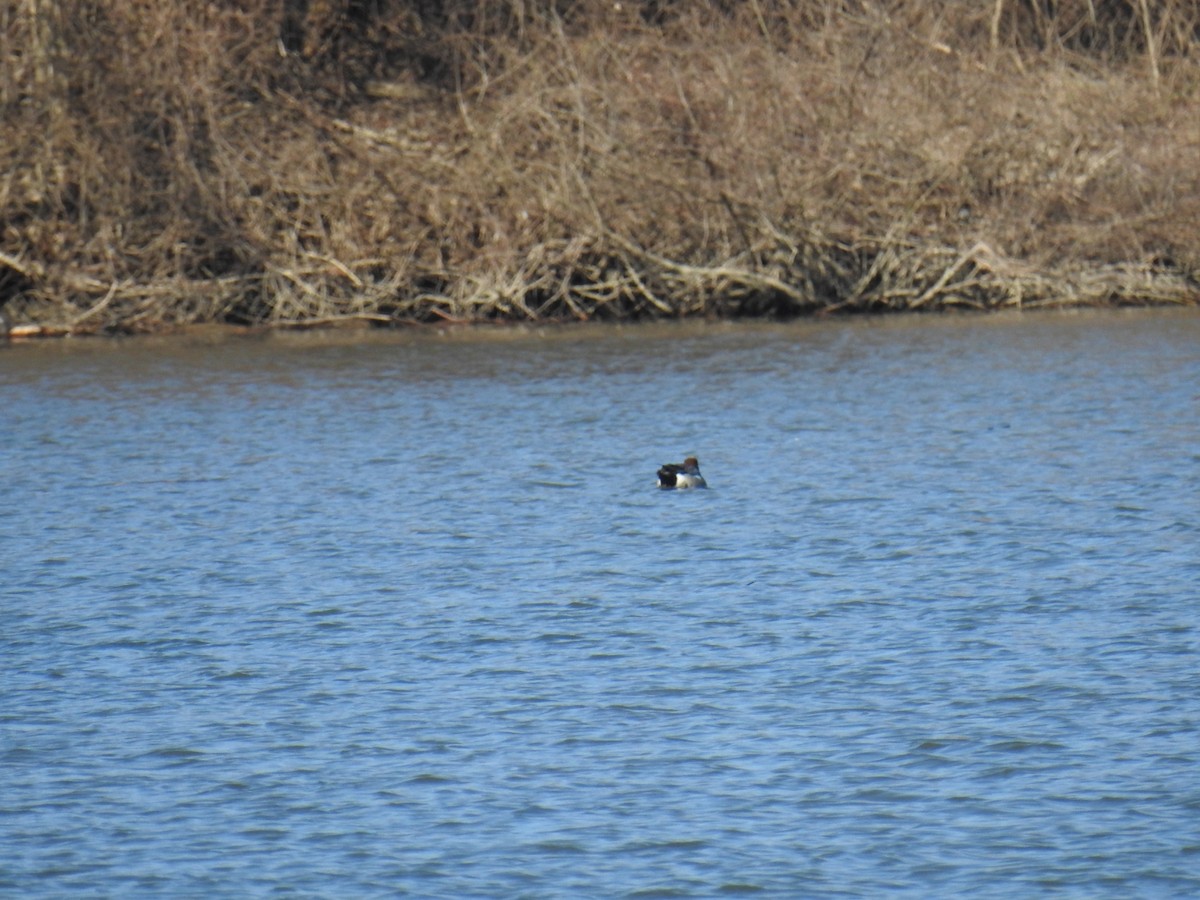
(367, 616)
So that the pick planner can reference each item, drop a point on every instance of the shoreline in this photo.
(504, 331)
(899, 281)
(1122, 288)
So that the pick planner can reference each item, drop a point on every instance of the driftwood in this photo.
(611, 278)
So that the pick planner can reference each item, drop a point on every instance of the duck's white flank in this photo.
(681, 475)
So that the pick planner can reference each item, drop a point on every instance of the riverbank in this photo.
(325, 164)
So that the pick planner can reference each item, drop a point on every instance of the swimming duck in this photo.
(681, 475)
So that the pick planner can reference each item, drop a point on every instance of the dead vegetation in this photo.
(398, 161)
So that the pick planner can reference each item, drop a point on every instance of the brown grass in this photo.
(174, 162)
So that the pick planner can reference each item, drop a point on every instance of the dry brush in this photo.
(167, 163)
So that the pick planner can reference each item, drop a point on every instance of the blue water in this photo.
(364, 615)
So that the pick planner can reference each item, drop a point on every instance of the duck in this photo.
(681, 475)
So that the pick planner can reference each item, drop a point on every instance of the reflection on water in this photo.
(371, 614)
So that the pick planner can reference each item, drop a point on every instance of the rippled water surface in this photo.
(366, 616)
